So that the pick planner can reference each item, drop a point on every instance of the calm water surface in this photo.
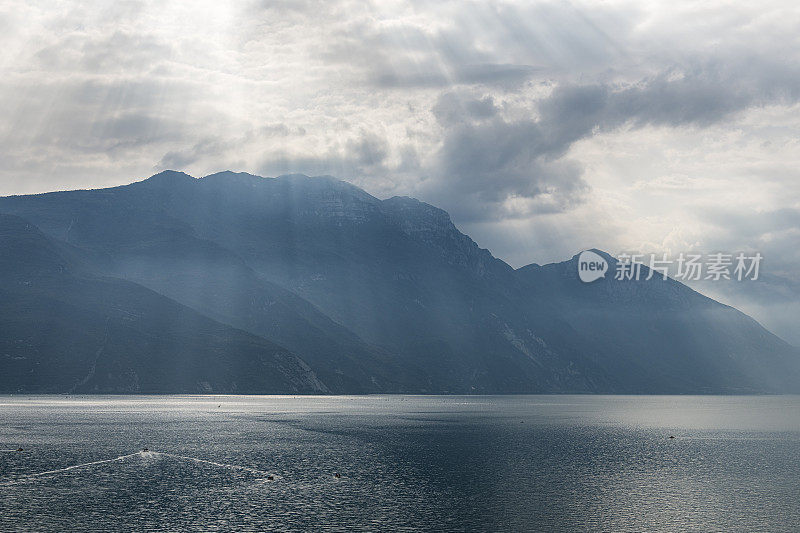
(520, 463)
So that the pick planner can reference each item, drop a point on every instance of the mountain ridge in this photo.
(389, 296)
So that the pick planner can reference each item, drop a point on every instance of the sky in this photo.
(544, 128)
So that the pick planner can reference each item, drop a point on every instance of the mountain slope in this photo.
(134, 232)
(388, 295)
(660, 335)
(62, 330)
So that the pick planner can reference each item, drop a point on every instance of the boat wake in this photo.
(145, 454)
(30, 477)
(214, 463)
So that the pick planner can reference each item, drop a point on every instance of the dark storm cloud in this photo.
(490, 158)
(485, 161)
(698, 97)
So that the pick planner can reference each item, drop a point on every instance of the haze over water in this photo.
(406, 463)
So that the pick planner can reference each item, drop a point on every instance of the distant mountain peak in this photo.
(605, 255)
(230, 174)
(169, 177)
(231, 177)
(296, 176)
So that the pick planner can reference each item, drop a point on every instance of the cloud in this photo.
(495, 160)
(486, 74)
(496, 167)
(446, 44)
(451, 109)
(208, 147)
(365, 154)
(155, 82)
(543, 127)
(119, 51)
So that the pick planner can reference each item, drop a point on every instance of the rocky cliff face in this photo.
(432, 227)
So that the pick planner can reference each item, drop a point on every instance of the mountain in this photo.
(388, 296)
(660, 335)
(134, 233)
(62, 330)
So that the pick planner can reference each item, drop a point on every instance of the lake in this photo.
(409, 463)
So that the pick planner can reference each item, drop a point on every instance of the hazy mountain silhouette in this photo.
(63, 330)
(388, 296)
(660, 335)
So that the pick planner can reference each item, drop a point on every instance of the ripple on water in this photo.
(411, 463)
